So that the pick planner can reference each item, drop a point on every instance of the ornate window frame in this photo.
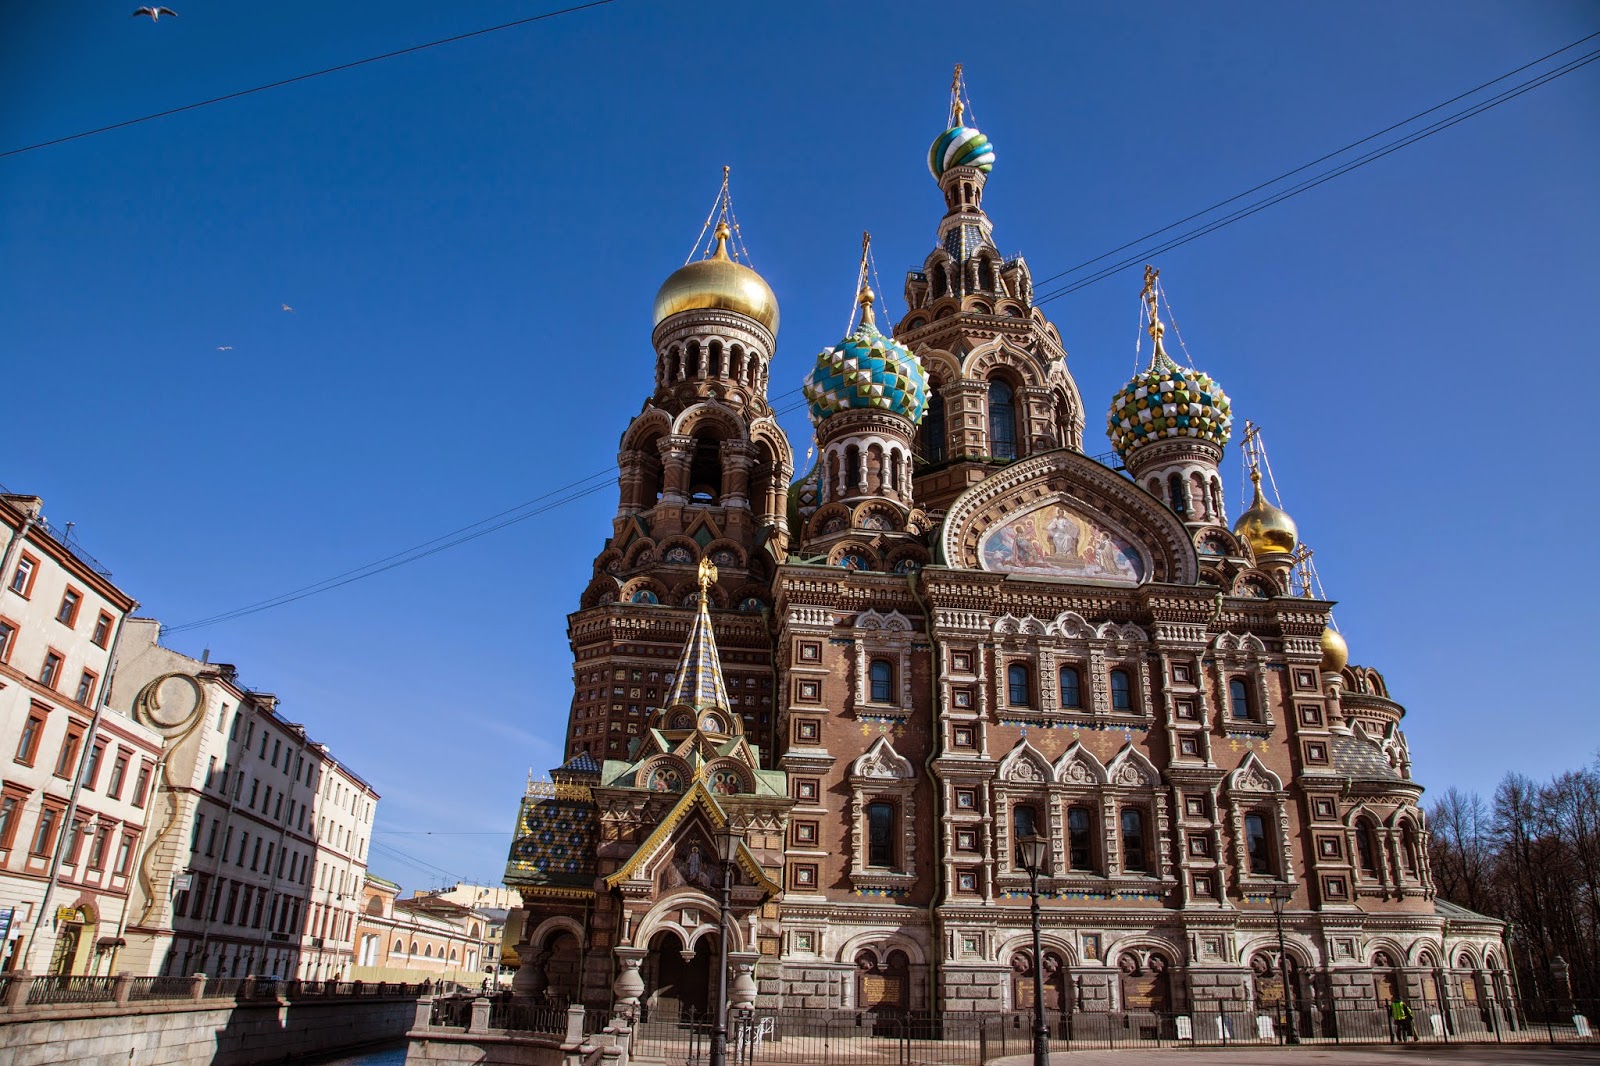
(1253, 788)
(882, 774)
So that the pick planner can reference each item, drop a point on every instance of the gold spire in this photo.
(1151, 276)
(865, 300)
(957, 108)
(864, 295)
(722, 234)
(722, 279)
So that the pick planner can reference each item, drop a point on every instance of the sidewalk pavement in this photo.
(1371, 1055)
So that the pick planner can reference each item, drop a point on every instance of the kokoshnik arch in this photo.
(954, 629)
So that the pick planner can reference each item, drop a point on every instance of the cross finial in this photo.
(864, 296)
(956, 106)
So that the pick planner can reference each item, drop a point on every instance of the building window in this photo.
(1178, 494)
(933, 428)
(119, 773)
(124, 855)
(1002, 421)
(44, 838)
(1365, 852)
(85, 691)
(880, 834)
(1017, 694)
(102, 630)
(22, 577)
(1255, 834)
(8, 633)
(1133, 849)
(1024, 823)
(882, 675)
(50, 672)
(69, 753)
(1238, 698)
(67, 613)
(28, 746)
(10, 809)
(1071, 688)
(1121, 691)
(1080, 841)
(91, 773)
(97, 853)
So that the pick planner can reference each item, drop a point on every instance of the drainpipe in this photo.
(77, 789)
(13, 544)
(934, 751)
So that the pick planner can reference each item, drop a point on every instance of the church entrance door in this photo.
(675, 984)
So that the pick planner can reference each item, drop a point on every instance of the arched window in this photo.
(1216, 500)
(880, 834)
(882, 675)
(1071, 688)
(1255, 834)
(1366, 854)
(933, 431)
(1178, 495)
(1408, 848)
(894, 469)
(399, 948)
(413, 947)
(427, 952)
(1133, 850)
(1002, 420)
(1121, 691)
(452, 954)
(1080, 842)
(1017, 694)
(1238, 698)
(852, 469)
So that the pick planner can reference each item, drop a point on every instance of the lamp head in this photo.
(1033, 851)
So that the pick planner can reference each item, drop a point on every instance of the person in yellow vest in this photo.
(1402, 1021)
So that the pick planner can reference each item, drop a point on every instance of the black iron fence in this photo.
(19, 991)
(822, 1037)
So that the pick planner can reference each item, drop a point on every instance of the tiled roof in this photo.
(1359, 759)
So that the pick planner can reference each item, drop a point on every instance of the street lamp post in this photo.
(728, 843)
(1032, 850)
(1281, 895)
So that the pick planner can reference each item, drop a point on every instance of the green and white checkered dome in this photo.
(867, 371)
(1168, 401)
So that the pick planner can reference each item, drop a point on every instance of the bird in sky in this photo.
(155, 13)
(224, 347)
(289, 309)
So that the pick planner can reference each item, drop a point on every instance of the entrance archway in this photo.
(74, 939)
(675, 983)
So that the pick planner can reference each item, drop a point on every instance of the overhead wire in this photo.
(280, 83)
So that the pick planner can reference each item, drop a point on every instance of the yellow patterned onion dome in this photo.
(1267, 529)
(1167, 401)
(1335, 652)
(717, 282)
(867, 370)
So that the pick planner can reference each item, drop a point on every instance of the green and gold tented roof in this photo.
(867, 371)
(698, 682)
(1168, 401)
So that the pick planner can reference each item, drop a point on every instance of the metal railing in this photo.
(71, 990)
(146, 988)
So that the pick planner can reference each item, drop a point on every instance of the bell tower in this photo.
(999, 388)
(704, 473)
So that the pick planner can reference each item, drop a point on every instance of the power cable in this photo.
(462, 536)
(1328, 175)
(306, 77)
(1320, 159)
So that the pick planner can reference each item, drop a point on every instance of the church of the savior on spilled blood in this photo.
(955, 629)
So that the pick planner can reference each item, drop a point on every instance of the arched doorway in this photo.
(676, 980)
(74, 939)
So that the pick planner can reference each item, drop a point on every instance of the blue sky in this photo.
(471, 238)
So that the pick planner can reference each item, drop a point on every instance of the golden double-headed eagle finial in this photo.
(708, 574)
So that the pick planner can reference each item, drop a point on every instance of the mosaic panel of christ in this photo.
(1056, 541)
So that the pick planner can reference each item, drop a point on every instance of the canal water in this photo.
(392, 1055)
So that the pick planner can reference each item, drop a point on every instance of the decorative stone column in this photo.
(630, 481)
(530, 979)
(737, 458)
(629, 983)
(742, 990)
(676, 452)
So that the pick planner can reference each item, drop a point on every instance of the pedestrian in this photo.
(1404, 1021)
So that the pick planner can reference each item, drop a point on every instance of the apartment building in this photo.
(75, 774)
(257, 833)
(451, 935)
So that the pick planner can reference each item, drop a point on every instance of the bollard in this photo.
(121, 988)
(17, 991)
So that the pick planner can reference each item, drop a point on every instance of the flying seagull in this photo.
(286, 307)
(155, 13)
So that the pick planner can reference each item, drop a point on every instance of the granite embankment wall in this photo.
(184, 1021)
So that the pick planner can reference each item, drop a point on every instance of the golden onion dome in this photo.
(1335, 652)
(1267, 529)
(720, 283)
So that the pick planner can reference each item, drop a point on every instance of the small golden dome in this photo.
(717, 282)
(1335, 652)
(1267, 529)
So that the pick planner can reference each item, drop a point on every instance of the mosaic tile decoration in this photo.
(698, 682)
(1168, 401)
(960, 146)
(867, 371)
(555, 843)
